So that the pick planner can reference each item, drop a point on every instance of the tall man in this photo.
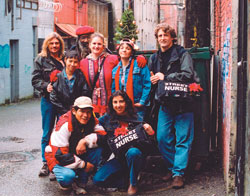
(175, 127)
(47, 61)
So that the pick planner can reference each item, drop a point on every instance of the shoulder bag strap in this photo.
(98, 73)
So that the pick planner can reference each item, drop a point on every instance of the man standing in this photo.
(47, 61)
(175, 127)
(82, 42)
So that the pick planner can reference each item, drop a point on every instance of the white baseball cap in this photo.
(83, 102)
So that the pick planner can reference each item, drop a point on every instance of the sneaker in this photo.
(78, 190)
(52, 176)
(178, 182)
(44, 170)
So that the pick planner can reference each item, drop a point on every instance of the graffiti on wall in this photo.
(27, 69)
(5, 56)
(226, 69)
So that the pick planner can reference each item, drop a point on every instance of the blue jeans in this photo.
(140, 112)
(66, 176)
(112, 174)
(48, 121)
(175, 134)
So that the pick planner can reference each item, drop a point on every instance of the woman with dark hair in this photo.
(126, 165)
(130, 77)
(71, 153)
(97, 68)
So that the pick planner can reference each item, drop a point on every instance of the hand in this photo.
(155, 78)
(89, 168)
(49, 87)
(160, 75)
(148, 129)
(81, 147)
(138, 105)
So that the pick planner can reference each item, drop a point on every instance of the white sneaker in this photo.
(78, 190)
(52, 176)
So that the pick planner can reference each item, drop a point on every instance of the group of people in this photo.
(92, 95)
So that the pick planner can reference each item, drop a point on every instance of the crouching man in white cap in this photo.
(71, 153)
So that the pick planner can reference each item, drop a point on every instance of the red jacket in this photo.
(110, 62)
(60, 140)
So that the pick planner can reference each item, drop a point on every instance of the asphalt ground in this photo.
(20, 162)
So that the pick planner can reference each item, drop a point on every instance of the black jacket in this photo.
(178, 68)
(61, 96)
(43, 66)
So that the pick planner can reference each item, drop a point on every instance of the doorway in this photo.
(14, 70)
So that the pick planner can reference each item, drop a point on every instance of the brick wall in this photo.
(225, 43)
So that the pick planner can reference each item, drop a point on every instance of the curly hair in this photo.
(167, 29)
(45, 48)
(129, 106)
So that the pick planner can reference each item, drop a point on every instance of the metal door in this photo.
(14, 70)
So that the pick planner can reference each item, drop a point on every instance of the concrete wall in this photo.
(225, 40)
(46, 18)
(23, 33)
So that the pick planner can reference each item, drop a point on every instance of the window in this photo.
(27, 4)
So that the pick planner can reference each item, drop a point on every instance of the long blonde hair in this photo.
(45, 50)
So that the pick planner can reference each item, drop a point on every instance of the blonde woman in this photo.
(50, 59)
(97, 69)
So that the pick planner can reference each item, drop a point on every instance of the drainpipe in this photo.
(240, 175)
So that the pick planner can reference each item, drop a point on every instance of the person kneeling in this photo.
(121, 126)
(72, 154)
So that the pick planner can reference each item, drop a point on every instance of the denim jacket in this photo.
(141, 82)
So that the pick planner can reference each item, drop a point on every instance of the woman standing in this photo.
(97, 69)
(130, 77)
(121, 115)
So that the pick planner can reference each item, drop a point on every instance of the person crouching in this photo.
(71, 154)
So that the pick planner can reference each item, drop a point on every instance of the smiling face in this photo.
(54, 46)
(83, 115)
(125, 51)
(71, 64)
(96, 46)
(165, 40)
(119, 105)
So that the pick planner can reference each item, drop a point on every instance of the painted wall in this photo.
(72, 12)
(23, 32)
(174, 14)
(226, 42)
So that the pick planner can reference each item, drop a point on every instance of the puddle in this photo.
(16, 157)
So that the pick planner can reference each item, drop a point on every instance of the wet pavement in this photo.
(20, 162)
